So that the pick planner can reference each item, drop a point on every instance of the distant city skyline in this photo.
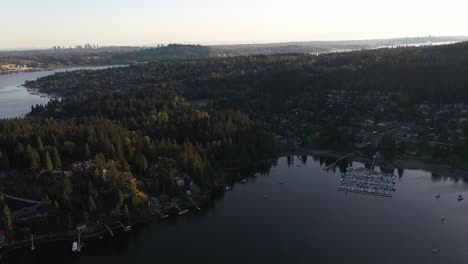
(46, 23)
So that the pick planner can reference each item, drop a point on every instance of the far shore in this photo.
(409, 164)
(61, 67)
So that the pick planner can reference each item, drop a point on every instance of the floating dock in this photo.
(365, 181)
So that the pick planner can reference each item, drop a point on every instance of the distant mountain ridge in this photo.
(57, 58)
(172, 51)
(329, 46)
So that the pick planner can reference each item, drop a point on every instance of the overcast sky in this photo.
(45, 23)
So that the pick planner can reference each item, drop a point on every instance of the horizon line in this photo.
(239, 43)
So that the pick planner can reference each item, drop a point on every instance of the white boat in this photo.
(227, 188)
(127, 228)
(75, 246)
(244, 180)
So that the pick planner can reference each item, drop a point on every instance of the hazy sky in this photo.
(44, 23)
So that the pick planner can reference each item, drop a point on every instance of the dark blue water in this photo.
(15, 100)
(304, 220)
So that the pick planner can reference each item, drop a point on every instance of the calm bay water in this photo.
(294, 214)
(15, 100)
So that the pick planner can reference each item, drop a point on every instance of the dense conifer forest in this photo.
(116, 137)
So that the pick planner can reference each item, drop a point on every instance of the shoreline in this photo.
(72, 235)
(64, 67)
(409, 164)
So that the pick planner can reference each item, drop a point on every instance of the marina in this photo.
(366, 181)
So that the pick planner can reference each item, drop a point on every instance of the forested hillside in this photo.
(118, 136)
(329, 94)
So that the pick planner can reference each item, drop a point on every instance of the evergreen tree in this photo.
(33, 157)
(40, 145)
(126, 213)
(4, 163)
(48, 161)
(87, 151)
(142, 163)
(100, 161)
(119, 198)
(19, 156)
(57, 161)
(7, 220)
(91, 204)
(67, 189)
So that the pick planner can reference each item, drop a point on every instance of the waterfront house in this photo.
(153, 202)
(180, 181)
(105, 175)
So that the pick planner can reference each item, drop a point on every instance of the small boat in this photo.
(227, 188)
(442, 219)
(265, 196)
(244, 180)
(75, 246)
(435, 250)
(438, 196)
(460, 198)
(127, 228)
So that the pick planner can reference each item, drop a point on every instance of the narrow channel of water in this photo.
(16, 101)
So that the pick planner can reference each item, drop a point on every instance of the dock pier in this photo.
(108, 229)
(196, 206)
(162, 215)
(32, 243)
(124, 228)
(181, 212)
(79, 241)
(338, 160)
